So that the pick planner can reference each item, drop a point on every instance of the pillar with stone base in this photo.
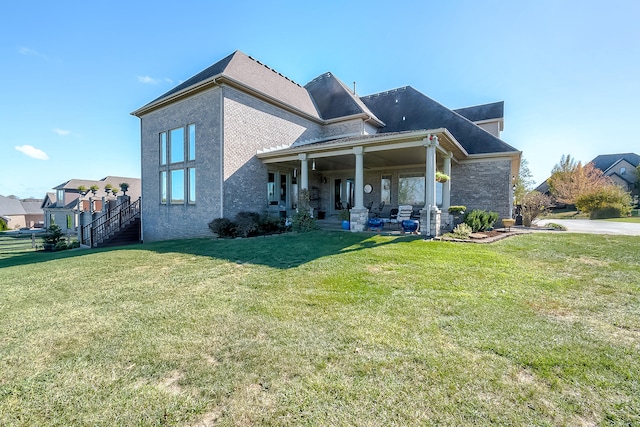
(358, 219)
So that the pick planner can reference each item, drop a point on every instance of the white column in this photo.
(430, 174)
(359, 202)
(304, 171)
(446, 187)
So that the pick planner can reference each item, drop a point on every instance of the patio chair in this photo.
(393, 217)
(380, 207)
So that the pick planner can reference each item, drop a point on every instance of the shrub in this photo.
(608, 212)
(556, 226)
(270, 225)
(247, 224)
(302, 222)
(53, 235)
(462, 231)
(223, 227)
(3, 225)
(533, 204)
(480, 220)
(457, 210)
(607, 199)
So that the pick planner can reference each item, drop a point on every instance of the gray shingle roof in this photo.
(11, 206)
(407, 109)
(605, 161)
(482, 112)
(333, 99)
(252, 73)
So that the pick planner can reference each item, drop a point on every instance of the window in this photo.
(60, 195)
(163, 148)
(69, 222)
(385, 189)
(192, 142)
(411, 190)
(177, 165)
(623, 170)
(192, 185)
(176, 144)
(177, 186)
(163, 187)
(271, 189)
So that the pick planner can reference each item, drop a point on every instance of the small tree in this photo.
(524, 182)
(302, 221)
(52, 237)
(605, 202)
(533, 205)
(569, 180)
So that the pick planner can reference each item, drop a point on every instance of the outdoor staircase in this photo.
(118, 226)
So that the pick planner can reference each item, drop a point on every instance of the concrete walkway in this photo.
(595, 226)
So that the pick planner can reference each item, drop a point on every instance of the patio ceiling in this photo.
(384, 152)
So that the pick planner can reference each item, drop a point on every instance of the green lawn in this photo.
(326, 328)
(632, 219)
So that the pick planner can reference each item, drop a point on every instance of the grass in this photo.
(324, 329)
(631, 219)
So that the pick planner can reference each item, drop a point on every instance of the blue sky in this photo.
(568, 71)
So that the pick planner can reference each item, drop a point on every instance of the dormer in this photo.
(489, 117)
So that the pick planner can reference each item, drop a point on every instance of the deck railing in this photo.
(109, 223)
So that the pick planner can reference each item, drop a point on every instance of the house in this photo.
(620, 168)
(18, 213)
(240, 136)
(63, 206)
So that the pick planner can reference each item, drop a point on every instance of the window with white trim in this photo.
(177, 165)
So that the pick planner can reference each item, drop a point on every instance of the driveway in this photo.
(595, 226)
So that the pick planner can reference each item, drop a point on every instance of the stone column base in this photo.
(430, 226)
(359, 219)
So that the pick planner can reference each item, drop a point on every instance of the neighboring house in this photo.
(621, 168)
(18, 213)
(239, 136)
(62, 206)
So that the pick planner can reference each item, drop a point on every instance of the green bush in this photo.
(608, 212)
(271, 225)
(302, 222)
(462, 231)
(606, 199)
(457, 210)
(480, 220)
(247, 224)
(3, 225)
(223, 227)
(53, 235)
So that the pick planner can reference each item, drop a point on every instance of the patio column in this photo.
(446, 187)
(430, 174)
(359, 202)
(430, 215)
(304, 171)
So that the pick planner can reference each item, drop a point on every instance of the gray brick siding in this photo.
(482, 185)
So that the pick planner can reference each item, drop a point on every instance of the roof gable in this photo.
(238, 68)
(605, 161)
(406, 109)
(479, 113)
(333, 99)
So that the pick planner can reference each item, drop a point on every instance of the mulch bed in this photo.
(487, 236)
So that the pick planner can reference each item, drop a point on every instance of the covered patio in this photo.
(369, 175)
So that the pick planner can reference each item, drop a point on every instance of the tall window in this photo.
(623, 170)
(385, 189)
(177, 165)
(411, 190)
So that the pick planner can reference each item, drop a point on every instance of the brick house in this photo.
(239, 136)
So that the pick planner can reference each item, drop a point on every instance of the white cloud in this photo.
(148, 80)
(61, 132)
(27, 51)
(30, 151)
(153, 81)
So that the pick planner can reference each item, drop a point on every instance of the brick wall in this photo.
(249, 125)
(167, 221)
(483, 185)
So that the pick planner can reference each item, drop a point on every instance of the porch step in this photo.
(130, 234)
